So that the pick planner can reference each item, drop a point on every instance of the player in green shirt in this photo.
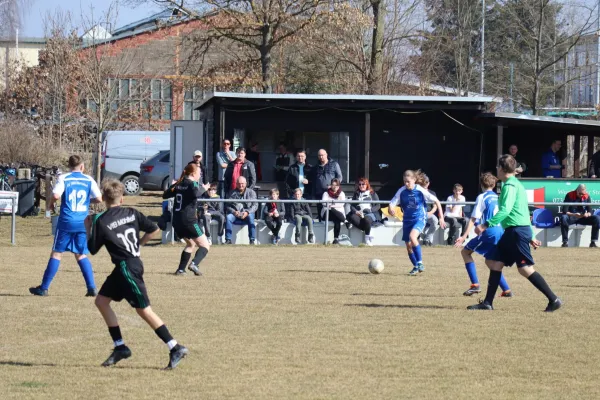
(513, 247)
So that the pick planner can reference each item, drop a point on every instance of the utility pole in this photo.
(483, 44)
(598, 57)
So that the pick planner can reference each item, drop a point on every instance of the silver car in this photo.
(154, 172)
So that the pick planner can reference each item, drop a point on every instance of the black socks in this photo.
(184, 260)
(539, 282)
(115, 334)
(200, 254)
(492, 288)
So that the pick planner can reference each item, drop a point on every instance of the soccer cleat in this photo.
(593, 244)
(481, 306)
(507, 293)
(194, 268)
(116, 356)
(180, 272)
(38, 291)
(565, 244)
(554, 305)
(177, 354)
(311, 238)
(414, 271)
(91, 293)
(472, 290)
(421, 267)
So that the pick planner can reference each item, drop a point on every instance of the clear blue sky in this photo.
(33, 22)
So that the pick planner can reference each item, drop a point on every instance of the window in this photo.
(166, 158)
(161, 96)
(192, 99)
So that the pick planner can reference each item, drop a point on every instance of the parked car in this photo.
(154, 172)
(124, 151)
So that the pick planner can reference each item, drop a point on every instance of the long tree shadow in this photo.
(326, 272)
(375, 305)
(149, 205)
(402, 295)
(580, 276)
(583, 286)
(26, 364)
(14, 295)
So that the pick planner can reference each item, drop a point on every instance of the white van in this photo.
(124, 151)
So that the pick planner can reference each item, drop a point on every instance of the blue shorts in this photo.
(407, 227)
(486, 242)
(513, 247)
(75, 242)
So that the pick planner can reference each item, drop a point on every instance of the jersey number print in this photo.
(77, 200)
(130, 240)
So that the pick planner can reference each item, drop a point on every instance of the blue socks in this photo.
(88, 274)
(503, 284)
(50, 272)
(413, 259)
(418, 254)
(473, 273)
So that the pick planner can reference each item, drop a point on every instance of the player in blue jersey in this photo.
(486, 206)
(413, 199)
(75, 191)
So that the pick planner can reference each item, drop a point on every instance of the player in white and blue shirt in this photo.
(413, 199)
(486, 206)
(75, 191)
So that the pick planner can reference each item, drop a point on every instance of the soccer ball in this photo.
(375, 266)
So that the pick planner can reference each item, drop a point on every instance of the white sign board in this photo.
(6, 202)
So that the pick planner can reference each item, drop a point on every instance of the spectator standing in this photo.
(240, 167)
(454, 215)
(301, 213)
(297, 176)
(323, 173)
(241, 211)
(363, 215)
(580, 215)
(594, 170)
(210, 210)
(282, 165)
(198, 161)
(274, 214)
(254, 157)
(223, 158)
(337, 211)
(521, 167)
(551, 163)
(432, 220)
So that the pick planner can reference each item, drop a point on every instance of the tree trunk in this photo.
(99, 142)
(265, 59)
(538, 51)
(375, 75)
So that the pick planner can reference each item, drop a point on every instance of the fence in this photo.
(13, 221)
(327, 203)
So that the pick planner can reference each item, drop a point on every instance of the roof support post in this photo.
(367, 143)
(499, 142)
(576, 156)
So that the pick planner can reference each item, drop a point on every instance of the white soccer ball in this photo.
(375, 266)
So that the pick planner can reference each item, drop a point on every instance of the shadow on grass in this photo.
(401, 295)
(326, 272)
(583, 286)
(149, 205)
(31, 364)
(14, 295)
(375, 305)
(581, 276)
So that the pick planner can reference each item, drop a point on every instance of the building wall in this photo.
(28, 54)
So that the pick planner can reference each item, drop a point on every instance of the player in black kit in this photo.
(119, 230)
(186, 192)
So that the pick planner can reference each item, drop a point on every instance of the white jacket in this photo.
(335, 206)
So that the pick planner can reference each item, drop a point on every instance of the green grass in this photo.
(300, 322)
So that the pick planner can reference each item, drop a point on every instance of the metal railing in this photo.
(13, 220)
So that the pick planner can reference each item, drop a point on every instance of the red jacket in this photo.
(572, 197)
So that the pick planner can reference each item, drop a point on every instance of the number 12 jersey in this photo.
(75, 190)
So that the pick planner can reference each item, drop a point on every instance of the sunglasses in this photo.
(362, 184)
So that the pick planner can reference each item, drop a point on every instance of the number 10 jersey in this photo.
(119, 230)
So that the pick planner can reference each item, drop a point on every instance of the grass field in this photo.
(299, 322)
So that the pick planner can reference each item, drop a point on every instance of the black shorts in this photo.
(188, 231)
(127, 282)
(513, 247)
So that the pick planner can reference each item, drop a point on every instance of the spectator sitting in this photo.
(580, 215)
(337, 211)
(322, 174)
(454, 215)
(240, 167)
(242, 211)
(432, 219)
(551, 164)
(297, 176)
(300, 213)
(364, 214)
(212, 210)
(274, 214)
